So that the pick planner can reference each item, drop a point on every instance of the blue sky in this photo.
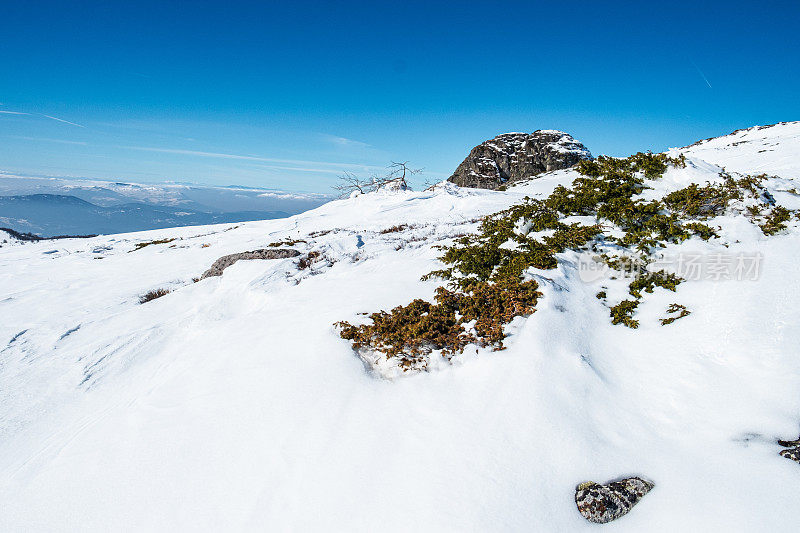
(289, 94)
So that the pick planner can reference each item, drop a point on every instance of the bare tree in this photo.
(350, 183)
(395, 178)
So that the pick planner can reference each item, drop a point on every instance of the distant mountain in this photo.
(49, 215)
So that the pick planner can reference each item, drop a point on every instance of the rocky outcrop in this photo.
(604, 503)
(512, 157)
(227, 260)
(792, 450)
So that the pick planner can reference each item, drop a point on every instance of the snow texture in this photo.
(232, 404)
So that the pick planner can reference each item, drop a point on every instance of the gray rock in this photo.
(793, 449)
(791, 453)
(604, 503)
(512, 157)
(227, 260)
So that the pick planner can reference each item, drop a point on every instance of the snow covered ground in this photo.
(761, 149)
(232, 404)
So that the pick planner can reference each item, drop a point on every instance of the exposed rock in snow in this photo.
(792, 453)
(394, 185)
(792, 450)
(604, 503)
(269, 253)
(511, 157)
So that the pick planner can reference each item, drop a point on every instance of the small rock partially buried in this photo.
(603, 503)
(791, 453)
(267, 253)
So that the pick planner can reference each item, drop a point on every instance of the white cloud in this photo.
(41, 115)
(307, 166)
(61, 141)
(345, 142)
(61, 120)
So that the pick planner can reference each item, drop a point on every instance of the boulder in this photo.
(511, 157)
(267, 253)
(604, 503)
(792, 450)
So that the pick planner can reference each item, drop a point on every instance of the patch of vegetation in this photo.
(140, 245)
(152, 295)
(699, 202)
(485, 272)
(395, 229)
(622, 313)
(285, 242)
(650, 280)
(412, 331)
(776, 220)
(679, 311)
(308, 260)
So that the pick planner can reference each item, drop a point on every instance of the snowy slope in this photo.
(773, 150)
(231, 403)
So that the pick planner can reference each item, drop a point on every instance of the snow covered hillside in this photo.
(769, 149)
(232, 403)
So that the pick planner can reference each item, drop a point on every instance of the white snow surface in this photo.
(773, 150)
(232, 404)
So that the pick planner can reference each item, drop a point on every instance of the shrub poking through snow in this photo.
(308, 260)
(485, 271)
(677, 311)
(775, 220)
(152, 295)
(140, 245)
(286, 242)
(411, 332)
(395, 229)
(622, 313)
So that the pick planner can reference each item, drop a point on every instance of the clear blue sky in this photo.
(288, 94)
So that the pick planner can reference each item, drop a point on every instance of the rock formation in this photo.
(604, 503)
(515, 156)
(227, 260)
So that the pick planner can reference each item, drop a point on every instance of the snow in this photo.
(232, 404)
(761, 149)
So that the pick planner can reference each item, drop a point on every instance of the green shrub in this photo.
(775, 220)
(673, 309)
(485, 270)
(140, 245)
(622, 313)
(410, 331)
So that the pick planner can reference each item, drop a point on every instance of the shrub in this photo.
(152, 295)
(673, 309)
(775, 220)
(622, 313)
(305, 262)
(414, 330)
(698, 202)
(394, 229)
(285, 242)
(485, 270)
(140, 245)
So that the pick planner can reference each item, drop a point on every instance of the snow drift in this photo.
(232, 402)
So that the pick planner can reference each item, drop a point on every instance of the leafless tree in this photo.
(396, 177)
(350, 183)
